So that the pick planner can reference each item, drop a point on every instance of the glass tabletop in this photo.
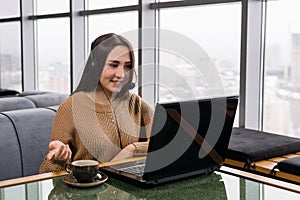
(214, 186)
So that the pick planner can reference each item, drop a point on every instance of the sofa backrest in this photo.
(31, 92)
(10, 159)
(31, 100)
(33, 129)
(47, 99)
(15, 103)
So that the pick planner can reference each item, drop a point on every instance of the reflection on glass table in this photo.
(203, 187)
(214, 186)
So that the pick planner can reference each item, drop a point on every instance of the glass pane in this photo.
(10, 56)
(52, 6)
(112, 23)
(214, 38)
(282, 68)
(99, 4)
(158, 1)
(9, 8)
(271, 193)
(205, 58)
(53, 55)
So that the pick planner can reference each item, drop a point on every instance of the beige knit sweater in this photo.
(94, 131)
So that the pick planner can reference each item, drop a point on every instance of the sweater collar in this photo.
(94, 104)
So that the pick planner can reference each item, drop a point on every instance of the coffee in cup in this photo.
(84, 171)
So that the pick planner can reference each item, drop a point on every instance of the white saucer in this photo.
(70, 180)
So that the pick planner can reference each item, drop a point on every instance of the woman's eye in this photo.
(128, 66)
(113, 64)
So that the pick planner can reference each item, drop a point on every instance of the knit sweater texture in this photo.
(99, 131)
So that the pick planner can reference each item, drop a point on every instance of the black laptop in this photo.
(188, 138)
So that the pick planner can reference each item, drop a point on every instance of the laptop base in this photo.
(141, 183)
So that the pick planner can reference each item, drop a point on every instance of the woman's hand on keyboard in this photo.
(126, 152)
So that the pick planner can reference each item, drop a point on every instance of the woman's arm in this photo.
(134, 149)
(60, 141)
(139, 148)
(126, 152)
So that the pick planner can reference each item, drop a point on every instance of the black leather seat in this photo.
(8, 92)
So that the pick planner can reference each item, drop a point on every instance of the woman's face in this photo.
(116, 72)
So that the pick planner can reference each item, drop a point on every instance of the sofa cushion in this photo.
(251, 145)
(15, 103)
(289, 165)
(10, 160)
(33, 127)
(47, 99)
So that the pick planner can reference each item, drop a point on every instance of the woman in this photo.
(101, 120)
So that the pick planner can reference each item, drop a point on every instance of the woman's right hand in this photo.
(59, 151)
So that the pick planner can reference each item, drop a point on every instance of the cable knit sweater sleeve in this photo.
(62, 132)
(146, 125)
(63, 129)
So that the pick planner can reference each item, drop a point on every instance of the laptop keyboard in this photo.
(136, 169)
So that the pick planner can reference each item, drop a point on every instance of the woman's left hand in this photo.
(127, 152)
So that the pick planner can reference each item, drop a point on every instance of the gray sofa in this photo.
(25, 129)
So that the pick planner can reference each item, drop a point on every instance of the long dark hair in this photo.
(100, 48)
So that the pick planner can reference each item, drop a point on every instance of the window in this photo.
(51, 6)
(210, 35)
(216, 33)
(10, 56)
(100, 4)
(282, 68)
(53, 54)
(10, 46)
(115, 23)
(11, 9)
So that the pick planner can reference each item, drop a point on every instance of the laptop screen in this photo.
(189, 137)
